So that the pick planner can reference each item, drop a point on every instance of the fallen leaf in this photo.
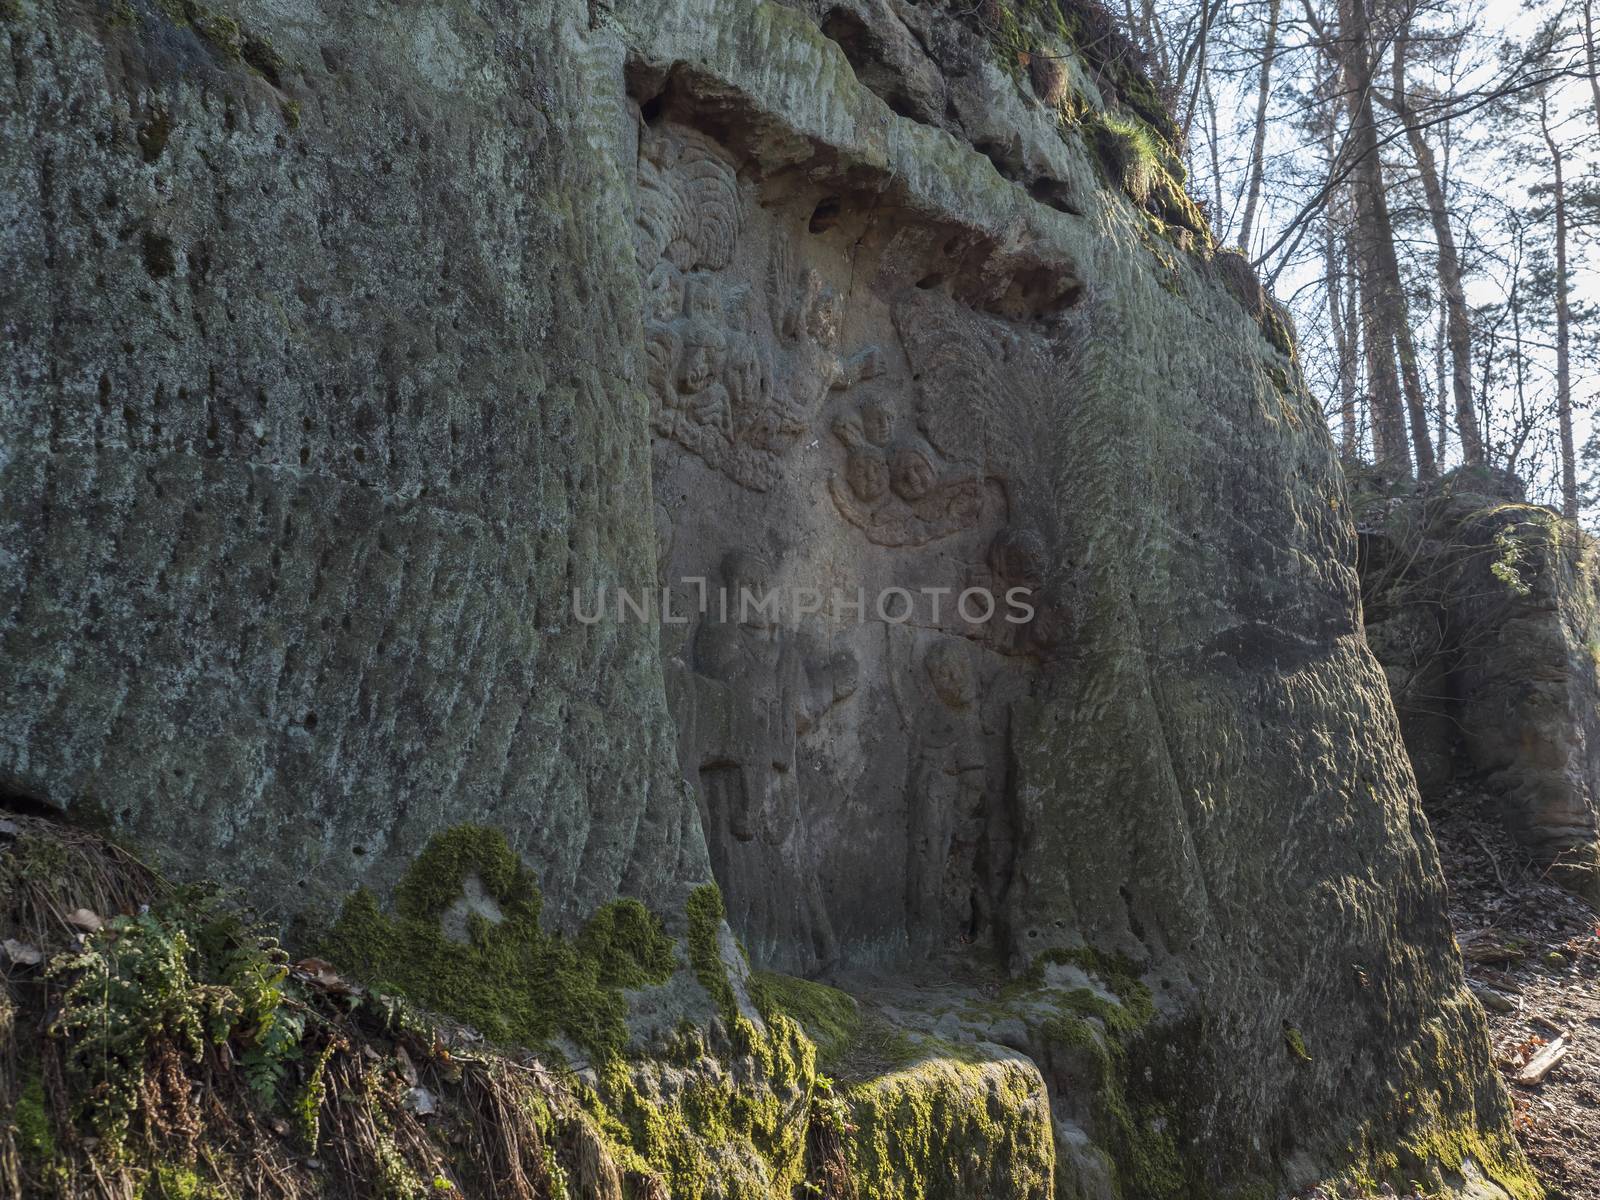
(23, 954)
(86, 919)
(420, 1101)
(321, 972)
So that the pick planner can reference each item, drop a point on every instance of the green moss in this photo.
(36, 1139)
(1119, 975)
(1018, 27)
(1139, 1135)
(221, 31)
(628, 945)
(170, 1182)
(437, 878)
(706, 914)
(1450, 1145)
(1296, 1043)
(1276, 330)
(1136, 143)
(38, 860)
(830, 1017)
(948, 1127)
(258, 54)
(1428, 1134)
(737, 1129)
(510, 978)
(1112, 1045)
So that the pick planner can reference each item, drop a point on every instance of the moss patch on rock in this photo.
(706, 913)
(509, 977)
(1134, 142)
(830, 1017)
(945, 1127)
(733, 1123)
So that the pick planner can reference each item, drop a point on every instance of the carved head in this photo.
(704, 348)
(747, 579)
(701, 303)
(877, 422)
(1018, 556)
(867, 474)
(911, 474)
(949, 669)
(664, 289)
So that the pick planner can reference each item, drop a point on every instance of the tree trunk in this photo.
(1194, 58)
(1399, 320)
(1589, 56)
(1569, 458)
(1372, 227)
(1439, 383)
(1155, 42)
(1458, 325)
(1258, 145)
(1334, 283)
(1215, 139)
(1520, 359)
(1389, 451)
(1351, 305)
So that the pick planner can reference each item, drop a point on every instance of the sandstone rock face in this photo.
(361, 357)
(313, 417)
(1483, 610)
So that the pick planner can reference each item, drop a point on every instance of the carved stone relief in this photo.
(892, 487)
(825, 428)
(727, 393)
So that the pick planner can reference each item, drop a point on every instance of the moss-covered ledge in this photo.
(732, 1102)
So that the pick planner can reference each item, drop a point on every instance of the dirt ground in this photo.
(1532, 953)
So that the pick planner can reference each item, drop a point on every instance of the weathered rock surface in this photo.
(313, 416)
(1483, 610)
(346, 344)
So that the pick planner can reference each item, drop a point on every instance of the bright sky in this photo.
(1479, 173)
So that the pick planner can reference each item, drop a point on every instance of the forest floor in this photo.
(1532, 954)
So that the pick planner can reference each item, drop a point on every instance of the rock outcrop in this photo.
(1483, 610)
(361, 361)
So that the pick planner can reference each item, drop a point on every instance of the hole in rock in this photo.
(874, 67)
(825, 216)
(27, 804)
(1006, 159)
(1055, 194)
